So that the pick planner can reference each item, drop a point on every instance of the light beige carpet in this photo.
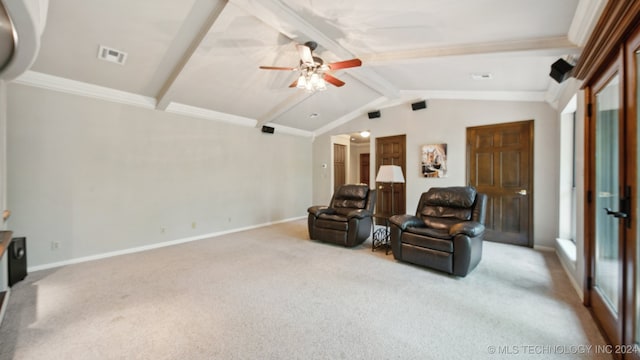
(271, 293)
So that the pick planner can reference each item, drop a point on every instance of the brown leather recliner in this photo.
(446, 232)
(348, 218)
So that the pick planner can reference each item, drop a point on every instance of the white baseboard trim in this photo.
(566, 253)
(153, 246)
(543, 248)
(575, 285)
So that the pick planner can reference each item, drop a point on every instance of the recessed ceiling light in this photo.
(313, 115)
(365, 134)
(482, 76)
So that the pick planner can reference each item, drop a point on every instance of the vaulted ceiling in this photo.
(202, 57)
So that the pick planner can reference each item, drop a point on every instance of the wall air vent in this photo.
(482, 76)
(112, 55)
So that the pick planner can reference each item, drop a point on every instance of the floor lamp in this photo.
(390, 174)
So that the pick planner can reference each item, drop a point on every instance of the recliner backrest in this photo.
(442, 207)
(350, 197)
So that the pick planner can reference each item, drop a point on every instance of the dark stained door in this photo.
(391, 151)
(500, 164)
(339, 165)
(364, 168)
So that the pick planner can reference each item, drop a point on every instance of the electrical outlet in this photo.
(55, 245)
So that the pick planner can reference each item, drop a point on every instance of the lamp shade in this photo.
(390, 174)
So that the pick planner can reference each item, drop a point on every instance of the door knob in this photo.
(522, 192)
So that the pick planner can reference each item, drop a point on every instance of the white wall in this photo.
(445, 121)
(98, 177)
(3, 150)
(4, 283)
(566, 253)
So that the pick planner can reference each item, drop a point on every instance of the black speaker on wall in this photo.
(17, 257)
(560, 70)
(419, 105)
(374, 114)
(267, 129)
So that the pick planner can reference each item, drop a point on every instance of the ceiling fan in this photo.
(314, 73)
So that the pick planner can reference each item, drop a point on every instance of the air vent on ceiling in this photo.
(112, 55)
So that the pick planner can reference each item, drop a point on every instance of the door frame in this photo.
(613, 327)
(616, 29)
(630, 261)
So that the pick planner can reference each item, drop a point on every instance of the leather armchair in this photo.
(348, 218)
(446, 232)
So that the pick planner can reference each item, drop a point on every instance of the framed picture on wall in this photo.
(434, 160)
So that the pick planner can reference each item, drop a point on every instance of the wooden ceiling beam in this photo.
(201, 19)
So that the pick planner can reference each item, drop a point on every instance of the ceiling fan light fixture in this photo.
(302, 82)
(312, 69)
(322, 85)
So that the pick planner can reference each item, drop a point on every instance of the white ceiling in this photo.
(202, 56)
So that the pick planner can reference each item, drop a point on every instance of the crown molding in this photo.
(617, 19)
(352, 115)
(50, 82)
(198, 112)
(407, 96)
(534, 96)
(551, 45)
(55, 83)
(584, 20)
(290, 131)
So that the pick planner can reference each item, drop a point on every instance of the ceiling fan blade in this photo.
(277, 68)
(345, 64)
(305, 54)
(333, 81)
(294, 84)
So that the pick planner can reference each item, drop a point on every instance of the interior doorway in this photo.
(365, 168)
(339, 165)
(351, 155)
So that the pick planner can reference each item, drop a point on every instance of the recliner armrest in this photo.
(469, 228)
(405, 221)
(318, 210)
(359, 214)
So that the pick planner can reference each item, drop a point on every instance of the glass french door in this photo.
(608, 198)
(612, 169)
(632, 318)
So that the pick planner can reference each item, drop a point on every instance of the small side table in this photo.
(380, 234)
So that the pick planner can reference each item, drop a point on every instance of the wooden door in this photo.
(339, 165)
(391, 151)
(364, 168)
(500, 164)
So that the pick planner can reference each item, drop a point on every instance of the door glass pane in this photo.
(607, 195)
